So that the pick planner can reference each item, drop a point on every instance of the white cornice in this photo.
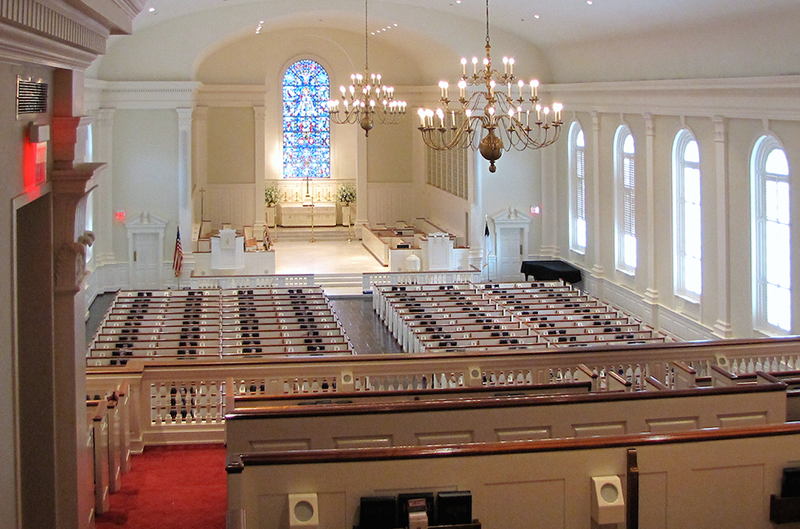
(140, 94)
(231, 95)
(20, 45)
(775, 98)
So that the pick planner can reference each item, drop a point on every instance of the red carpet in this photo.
(171, 487)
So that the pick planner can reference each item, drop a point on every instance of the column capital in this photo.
(719, 128)
(184, 118)
(70, 186)
(649, 124)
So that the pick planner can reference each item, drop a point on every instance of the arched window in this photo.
(577, 182)
(624, 170)
(771, 246)
(687, 217)
(306, 126)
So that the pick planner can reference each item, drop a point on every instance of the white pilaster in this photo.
(260, 116)
(185, 186)
(549, 214)
(200, 143)
(361, 181)
(722, 327)
(594, 228)
(102, 151)
(651, 291)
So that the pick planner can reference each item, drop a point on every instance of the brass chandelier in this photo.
(507, 121)
(366, 98)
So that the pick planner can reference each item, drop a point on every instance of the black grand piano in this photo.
(544, 270)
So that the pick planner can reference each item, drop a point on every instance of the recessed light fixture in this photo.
(589, 2)
(260, 26)
(151, 10)
(536, 17)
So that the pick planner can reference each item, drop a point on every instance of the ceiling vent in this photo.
(31, 96)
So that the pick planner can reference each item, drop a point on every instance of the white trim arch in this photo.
(771, 236)
(578, 230)
(625, 200)
(687, 217)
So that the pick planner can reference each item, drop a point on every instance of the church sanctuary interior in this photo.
(409, 263)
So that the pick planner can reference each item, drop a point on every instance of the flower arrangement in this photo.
(272, 195)
(346, 193)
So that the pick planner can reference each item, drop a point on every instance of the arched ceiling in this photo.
(541, 22)
(557, 40)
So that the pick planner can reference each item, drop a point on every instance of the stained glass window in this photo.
(306, 126)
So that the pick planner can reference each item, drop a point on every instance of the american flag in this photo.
(177, 259)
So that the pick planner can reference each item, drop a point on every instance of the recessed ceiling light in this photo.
(151, 10)
(589, 2)
(536, 17)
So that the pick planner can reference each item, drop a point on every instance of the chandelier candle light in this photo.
(366, 96)
(506, 109)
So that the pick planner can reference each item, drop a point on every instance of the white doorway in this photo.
(146, 261)
(146, 252)
(511, 228)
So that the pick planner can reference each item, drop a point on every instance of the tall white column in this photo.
(200, 158)
(597, 267)
(722, 327)
(549, 214)
(651, 291)
(260, 116)
(362, 200)
(185, 187)
(103, 148)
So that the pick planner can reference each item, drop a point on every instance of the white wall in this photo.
(145, 170)
(724, 117)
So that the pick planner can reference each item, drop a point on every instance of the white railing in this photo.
(183, 401)
(254, 281)
(420, 278)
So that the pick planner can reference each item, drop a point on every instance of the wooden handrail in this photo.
(632, 503)
(340, 409)
(419, 392)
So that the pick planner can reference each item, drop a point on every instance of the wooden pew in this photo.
(486, 420)
(726, 478)
(100, 435)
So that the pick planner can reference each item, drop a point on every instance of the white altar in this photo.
(294, 214)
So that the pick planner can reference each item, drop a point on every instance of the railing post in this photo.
(632, 503)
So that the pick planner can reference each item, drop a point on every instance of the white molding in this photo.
(774, 98)
(144, 95)
(231, 95)
(21, 45)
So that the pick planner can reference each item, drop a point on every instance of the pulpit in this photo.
(437, 251)
(227, 250)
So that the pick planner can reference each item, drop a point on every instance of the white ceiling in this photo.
(559, 22)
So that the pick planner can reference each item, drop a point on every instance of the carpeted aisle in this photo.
(171, 487)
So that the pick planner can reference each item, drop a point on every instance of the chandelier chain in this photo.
(489, 118)
(366, 99)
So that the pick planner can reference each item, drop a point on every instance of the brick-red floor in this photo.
(171, 487)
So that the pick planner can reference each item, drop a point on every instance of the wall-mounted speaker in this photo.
(608, 505)
(303, 511)
(475, 377)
